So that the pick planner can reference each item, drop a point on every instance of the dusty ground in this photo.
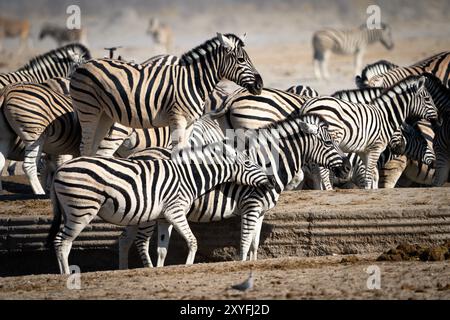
(282, 278)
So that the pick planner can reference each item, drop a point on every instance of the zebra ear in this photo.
(243, 37)
(224, 41)
(421, 82)
(309, 128)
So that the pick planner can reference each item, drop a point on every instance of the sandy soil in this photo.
(283, 278)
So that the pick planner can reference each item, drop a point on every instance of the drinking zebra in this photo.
(143, 96)
(137, 192)
(55, 63)
(346, 42)
(300, 140)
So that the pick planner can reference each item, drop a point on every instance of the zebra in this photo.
(137, 192)
(437, 65)
(105, 91)
(36, 118)
(300, 139)
(371, 70)
(12, 28)
(63, 35)
(410, 144)
(162, 34)
(347, 42)
(55, 63)
(302, 90)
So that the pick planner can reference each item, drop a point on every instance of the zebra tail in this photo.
(57, 218)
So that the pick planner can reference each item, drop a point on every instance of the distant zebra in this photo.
(63, 35)
(301, 140)
(107, 91)
(12, 28)
(302, 90)
(133, 192)
(162, 34)
(346, 42)
(437, 65)
(372, 70)
(56, 63)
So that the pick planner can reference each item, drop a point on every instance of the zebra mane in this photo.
(371, 69)
(350, 91)
(408, 82)
(55, 55)
(426, 61)
(206, 47)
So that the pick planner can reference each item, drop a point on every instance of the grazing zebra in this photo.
(161, 33)
(437, 65)
(62, 35)
(366, 129)
(133, 192)
(303, 91)
(143, 96)
(56, 63)
(12, 28)
(347, 42)
(372, 70)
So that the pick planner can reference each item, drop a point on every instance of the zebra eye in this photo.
(328, 143)
(241, 60)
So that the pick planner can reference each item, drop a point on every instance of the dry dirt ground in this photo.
(282, 278)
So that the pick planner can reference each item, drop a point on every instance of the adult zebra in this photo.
(55, 63)
(143, 96)
(372, 70)
(34, 119)
(300, 140)
(437, 65)
(346, 42)
(137, 192)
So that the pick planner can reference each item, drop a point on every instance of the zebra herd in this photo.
(160, 144)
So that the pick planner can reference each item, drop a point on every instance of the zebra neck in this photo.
(200, 178)
(202, 69)
(395, 107)
(440, 95)
(373, 36)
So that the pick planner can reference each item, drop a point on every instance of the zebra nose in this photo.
(433, 164)
(258, 82)
(347, 166)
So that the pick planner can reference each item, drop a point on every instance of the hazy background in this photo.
(279, 32)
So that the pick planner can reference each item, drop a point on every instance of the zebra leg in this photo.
(325, 179)
(31, 159)
(317, 68)
(113, 140)
(177, 217)
(255, 242)
(324, 65)
(164, 233)
(358, 61)
(126, 239)
(442, 170)
(391, 172)
(2, 165)
(296, 181)
(370, 160)
(249, 221)
(177, 127)
(145, 232)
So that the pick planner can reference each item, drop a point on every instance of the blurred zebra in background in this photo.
(14, 28)
(161, 33)
(346, 42)
(63, 35)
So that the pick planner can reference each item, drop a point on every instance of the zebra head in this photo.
(323, 150)
(237, 66)
(424, 105)
(386, 36)
(373, 70)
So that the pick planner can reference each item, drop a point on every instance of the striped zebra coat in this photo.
(437, 65)
(133, 192)
(143, 96)
(346, 42)
(300, 140)
(372, 70)
(366, 129)
(55, 63)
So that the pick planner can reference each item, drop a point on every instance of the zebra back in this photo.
(302, 90)
(365, 96)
